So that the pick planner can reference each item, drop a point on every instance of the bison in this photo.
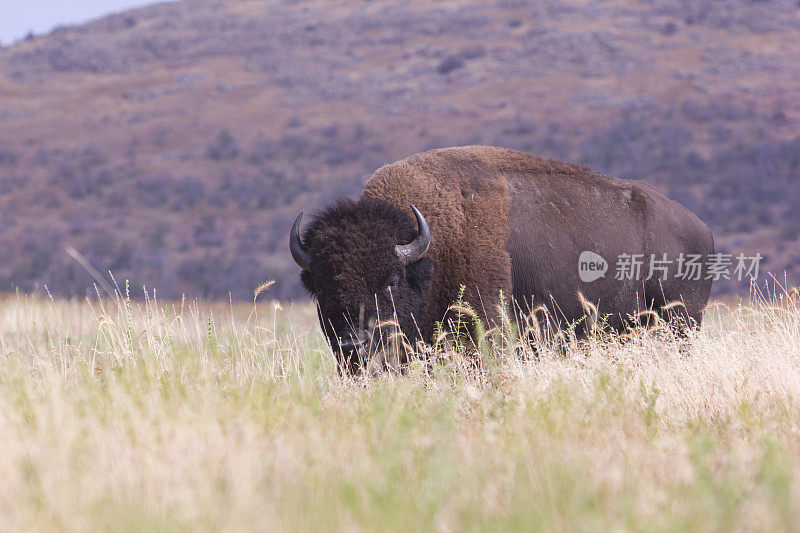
(487, 223)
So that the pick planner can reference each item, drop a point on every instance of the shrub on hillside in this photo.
(224, 147)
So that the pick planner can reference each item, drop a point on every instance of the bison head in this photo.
(364, 263)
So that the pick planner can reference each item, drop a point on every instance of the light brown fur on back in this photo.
(464, 196)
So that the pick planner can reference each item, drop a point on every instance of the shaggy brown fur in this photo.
(468, 217)
(506, 220)
(501, 221)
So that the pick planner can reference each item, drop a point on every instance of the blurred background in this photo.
(174, 144)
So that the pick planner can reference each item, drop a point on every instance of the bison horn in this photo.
(415, 250)
(299, 254)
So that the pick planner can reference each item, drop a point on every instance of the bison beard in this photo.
(494, 221)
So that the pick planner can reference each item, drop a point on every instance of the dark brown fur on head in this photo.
(358, 280)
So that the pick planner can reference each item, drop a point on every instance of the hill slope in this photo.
(174, 144)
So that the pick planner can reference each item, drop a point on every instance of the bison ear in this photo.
(420, 272)
(308, 283)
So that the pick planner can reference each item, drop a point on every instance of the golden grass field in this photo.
(192, 416)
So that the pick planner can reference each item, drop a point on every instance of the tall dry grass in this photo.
(117, 415)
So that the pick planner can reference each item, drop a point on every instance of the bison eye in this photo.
(391, 283)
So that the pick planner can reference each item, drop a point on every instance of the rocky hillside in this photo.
(173, 145)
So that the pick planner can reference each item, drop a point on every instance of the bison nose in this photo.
(349, 344)
(352, 342)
